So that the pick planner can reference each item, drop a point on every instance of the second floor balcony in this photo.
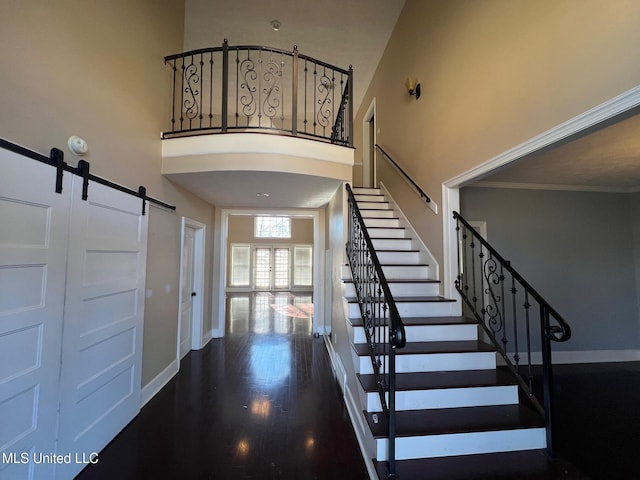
(260, 89)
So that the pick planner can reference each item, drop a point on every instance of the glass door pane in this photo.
(281, 268)
(262, 268)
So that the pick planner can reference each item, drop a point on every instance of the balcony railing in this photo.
(253, 88)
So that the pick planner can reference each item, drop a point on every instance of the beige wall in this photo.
(95, 69)
(494, 73)
(241, 230)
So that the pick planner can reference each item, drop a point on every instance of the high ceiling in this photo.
(338, 32)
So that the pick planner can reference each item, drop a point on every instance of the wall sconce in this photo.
(413, 87)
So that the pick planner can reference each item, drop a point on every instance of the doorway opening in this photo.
(190, 314)
(270, 252)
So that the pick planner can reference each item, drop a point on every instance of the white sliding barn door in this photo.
(102, 341)
(33, 251)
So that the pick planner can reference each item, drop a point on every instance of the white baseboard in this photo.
(154, 386)
(355, 415)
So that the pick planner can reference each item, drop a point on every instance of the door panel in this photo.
(186, 309)
(33, 249)
(103, 318)
(262, 268)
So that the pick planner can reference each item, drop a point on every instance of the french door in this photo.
(272, 268)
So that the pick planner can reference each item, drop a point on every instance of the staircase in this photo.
(454, 405)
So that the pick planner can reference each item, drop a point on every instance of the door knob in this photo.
(193, 294)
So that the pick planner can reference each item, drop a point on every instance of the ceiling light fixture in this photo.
(262, 194)
(275, 24)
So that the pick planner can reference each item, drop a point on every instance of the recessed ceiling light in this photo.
(275, 24)
(262, 194)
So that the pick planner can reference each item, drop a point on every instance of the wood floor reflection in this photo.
(261, 403)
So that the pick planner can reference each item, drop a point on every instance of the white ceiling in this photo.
(606, 160)
(339, 32)
(239, 189)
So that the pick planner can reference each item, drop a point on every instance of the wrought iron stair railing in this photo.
(383, 326)
(255, 88)
(510, 312)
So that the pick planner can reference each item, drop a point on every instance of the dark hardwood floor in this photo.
(262, 403)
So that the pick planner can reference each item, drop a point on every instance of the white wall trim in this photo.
(450, 189)
(605, 111)
(154, 386)
(256, 143)
(197, 315)
(368, 149)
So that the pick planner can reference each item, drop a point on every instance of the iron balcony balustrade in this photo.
(383, 326)
(510, 312)
(253, 88)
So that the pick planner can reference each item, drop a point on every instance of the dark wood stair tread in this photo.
(388, 250)
(416, 298)
(521, 465)
(442, 421)
(424, 321)
(403, 280)
(391, 238)
(442, 380)
(416, 348)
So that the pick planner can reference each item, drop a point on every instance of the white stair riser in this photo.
(365, 191)
(434, 362)
(381, 222)
(448, 398)
(401, 289)
(368, 198)
(383, 232)
(394, 243)
(374, 205)
(377, 213)
(426, 333)
(413, 309)
(407, 257)
(402, 272)
(464, 443)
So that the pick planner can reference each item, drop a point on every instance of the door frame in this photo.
(197, 308)
(220, 249)
(369, 170)
(272, 266)
(607, 111)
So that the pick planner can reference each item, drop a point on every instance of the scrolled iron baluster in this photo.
(192, 79)
(249, 75)
(527, 307)
(324, 114)
(493, 316)
(272, 77)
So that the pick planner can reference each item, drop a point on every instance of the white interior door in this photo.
(187, 290)
(33, 252)
(103, 318)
